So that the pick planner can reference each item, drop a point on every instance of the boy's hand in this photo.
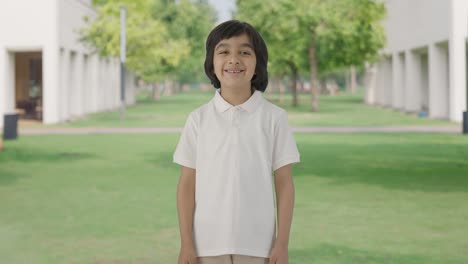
(279, 255)
(187, 255)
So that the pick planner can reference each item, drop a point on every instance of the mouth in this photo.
(233, 71)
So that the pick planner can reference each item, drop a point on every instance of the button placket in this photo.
(236, 124)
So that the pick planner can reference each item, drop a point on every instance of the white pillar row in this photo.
(412, 86)
(94, 81)
(104, 88)
(112, 83)
(78, 85)
(7, 82)
(380, 82)
(370, 83)
(457, 60)
(130, 88)
(388, 82)
(116, 82)
(100, 88)
(64, 78)
(85, 85)
(398, 68)
(107, 77)
(424, 82)
(50, 57)
(72, 88)
(438, 82)
(3, 81)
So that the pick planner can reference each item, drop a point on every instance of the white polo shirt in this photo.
(235, 150)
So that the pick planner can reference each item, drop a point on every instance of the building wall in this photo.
(76, 81)
(18, 35)
(415, 23)
(427, 40)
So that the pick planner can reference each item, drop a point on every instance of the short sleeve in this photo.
(284, 149)
(186, 150)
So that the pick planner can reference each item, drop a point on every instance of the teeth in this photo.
(231, 71)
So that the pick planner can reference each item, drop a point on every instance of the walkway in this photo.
(126, 130)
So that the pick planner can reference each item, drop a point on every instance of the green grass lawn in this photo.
(360, 198)
(171, 111)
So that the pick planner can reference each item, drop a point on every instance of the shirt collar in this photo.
(250, 105)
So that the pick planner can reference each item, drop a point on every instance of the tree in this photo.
(190, 21)
(165, 37)
(281, 35)
(333, 33)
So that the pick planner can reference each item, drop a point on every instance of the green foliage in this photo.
(190, 21)
(162, 36)
(344, 32)
(278, 26)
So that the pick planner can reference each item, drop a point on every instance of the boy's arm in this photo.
(284, 187)
(186, 205)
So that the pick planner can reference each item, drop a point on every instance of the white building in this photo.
(423, 67)
(45, 72)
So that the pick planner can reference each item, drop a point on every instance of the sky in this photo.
(224, 8)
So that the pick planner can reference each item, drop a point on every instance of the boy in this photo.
(228, 150)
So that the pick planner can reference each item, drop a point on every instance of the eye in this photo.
(223, 52)
(245, 52)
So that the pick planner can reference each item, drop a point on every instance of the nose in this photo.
(233, 59)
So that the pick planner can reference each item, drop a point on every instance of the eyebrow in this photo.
(225, 45)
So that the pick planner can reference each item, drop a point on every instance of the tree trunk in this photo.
(353, 80)
(273, 87)
(301, 86)
(156, 91)
(293, 83)
(314, 89)
(348, 81)
(281, 90)
(168, 87)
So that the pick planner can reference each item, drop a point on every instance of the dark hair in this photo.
(233, 28)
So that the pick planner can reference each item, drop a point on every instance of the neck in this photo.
(236, 96)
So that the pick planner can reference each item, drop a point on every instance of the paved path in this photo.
(142, 130)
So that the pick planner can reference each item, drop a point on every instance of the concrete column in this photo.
(85, 85)
(101, 87)
(51, 83)
(107, 90)
(7, 83)
(424, 82)
(72, 88)
(116, 82)
(64, 104)
(130, 88)
(3, 82)
(370, 83)
(457, 59)
(438, 82)
(398, 80)
(50, 66)
(94, 82)
(413, 86)
(78, 85)
(380, 83)
(388, 82)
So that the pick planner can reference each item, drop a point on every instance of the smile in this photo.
(233, 71)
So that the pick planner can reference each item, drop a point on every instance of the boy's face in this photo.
(234, 62)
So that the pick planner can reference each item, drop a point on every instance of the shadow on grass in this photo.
(8, 176)
(160, 159)
(332, 254)
(406, 166)
(14, 156)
